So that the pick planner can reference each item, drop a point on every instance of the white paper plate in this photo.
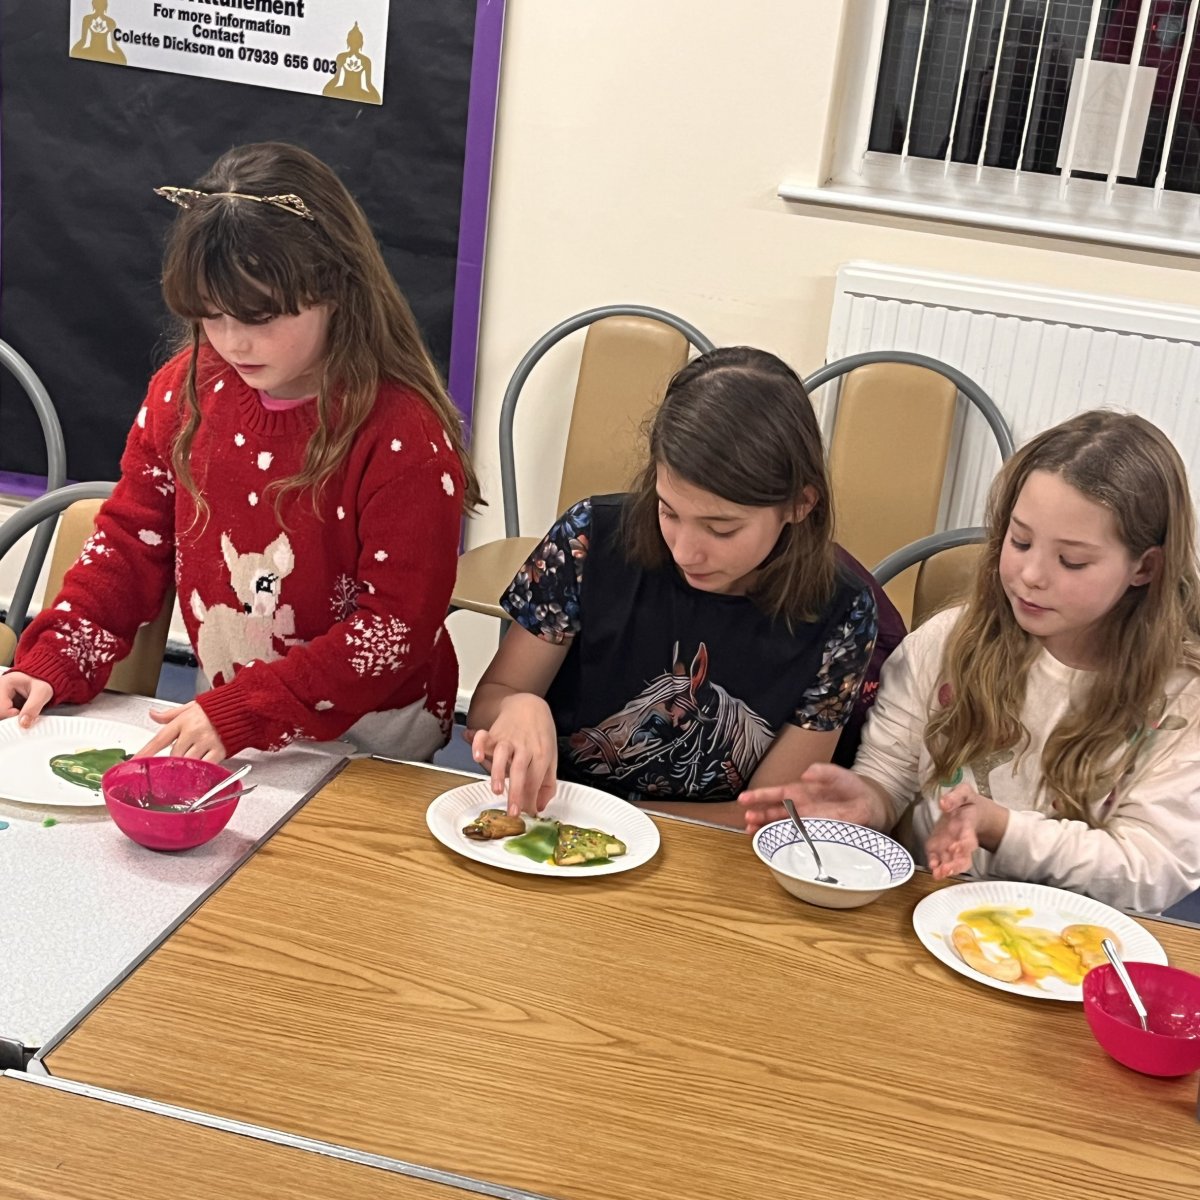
(574, 804)
(937, 914)
(25, 755)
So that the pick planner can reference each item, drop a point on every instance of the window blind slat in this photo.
(1069, 157)
(1135, 58)
(1033, 87)
(987, 120)
(912, 96)
(1161, 182)
(962, 75)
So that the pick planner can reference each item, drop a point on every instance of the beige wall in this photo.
(639, 147)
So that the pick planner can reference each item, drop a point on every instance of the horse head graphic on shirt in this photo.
(231, 637)
(681, 733)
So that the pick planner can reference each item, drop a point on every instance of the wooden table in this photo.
(683, 1030)
(55, 1145)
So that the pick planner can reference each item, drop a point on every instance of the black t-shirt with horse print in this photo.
(669, 691)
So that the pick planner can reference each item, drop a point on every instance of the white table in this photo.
(80, 904)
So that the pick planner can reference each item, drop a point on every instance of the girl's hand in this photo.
(521, 746)
(35, 694)
(822, 791)
(189, 733)
(968, 823)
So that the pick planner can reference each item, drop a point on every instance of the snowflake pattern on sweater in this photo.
(305, 620)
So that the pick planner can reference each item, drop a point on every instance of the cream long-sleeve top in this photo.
(1145, 857)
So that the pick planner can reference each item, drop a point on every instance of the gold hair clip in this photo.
(186, 197)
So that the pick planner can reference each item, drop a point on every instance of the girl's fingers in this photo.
(162, 715)
(517, 784)
(500, 758)
(481, 746)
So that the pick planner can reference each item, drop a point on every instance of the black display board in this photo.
(83, 143)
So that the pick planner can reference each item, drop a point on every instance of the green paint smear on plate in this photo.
(538, 844)
(3, 824)
(86, 767)
(48, 822)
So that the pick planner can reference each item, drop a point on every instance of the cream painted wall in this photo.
(639, 149)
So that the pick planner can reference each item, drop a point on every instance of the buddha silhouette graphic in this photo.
(352, 78)
(98, 37)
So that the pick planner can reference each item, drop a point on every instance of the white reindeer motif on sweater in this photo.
(229, 637)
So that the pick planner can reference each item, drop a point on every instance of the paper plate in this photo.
(574, 804)
(1050, 909)
(25, 755)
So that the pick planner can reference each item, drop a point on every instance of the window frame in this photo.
(989, 197)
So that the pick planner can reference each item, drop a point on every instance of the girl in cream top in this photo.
(1049, 729)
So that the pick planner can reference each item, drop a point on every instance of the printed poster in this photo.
(331, 48)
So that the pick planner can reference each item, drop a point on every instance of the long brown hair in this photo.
(253, 260)
(1126, 464)
(737, 422)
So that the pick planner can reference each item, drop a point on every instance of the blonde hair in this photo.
(255, 260)
(1126, 464)
(737, 422)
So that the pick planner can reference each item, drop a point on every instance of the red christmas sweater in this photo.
(303, 626)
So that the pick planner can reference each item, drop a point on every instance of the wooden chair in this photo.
(889, 449)
(629, 355)
(945, 565)
(78, 504)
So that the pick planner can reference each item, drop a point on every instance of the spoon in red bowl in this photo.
(1126, 982)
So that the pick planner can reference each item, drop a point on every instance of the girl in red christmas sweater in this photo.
(298, 471)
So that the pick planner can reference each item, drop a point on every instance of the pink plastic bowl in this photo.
(169, 781)
(1171, 1045)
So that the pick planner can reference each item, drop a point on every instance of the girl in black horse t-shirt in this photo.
(697, 636)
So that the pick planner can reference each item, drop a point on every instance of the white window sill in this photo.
(1112, 232)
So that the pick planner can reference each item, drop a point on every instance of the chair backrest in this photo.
(56, 476)
(78, 503)
(944, 579)
(945, 565)
(626, 365)
(630, 353)
(889, 448)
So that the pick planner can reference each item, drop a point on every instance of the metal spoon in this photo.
(1126, 982)
(240, 773)
(186, 808)
(799, 824)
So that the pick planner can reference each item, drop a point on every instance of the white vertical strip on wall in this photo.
(1135, 59)
(1042, 354)
(962, 75)
(987, 120)
(1069, 158)
(1181, 74)
(1037, 66)
(912, 95)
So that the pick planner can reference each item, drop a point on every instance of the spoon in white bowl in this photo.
(799, 824)
(240, 773)
(1126, 982)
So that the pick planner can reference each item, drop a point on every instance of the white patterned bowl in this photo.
(865, 863)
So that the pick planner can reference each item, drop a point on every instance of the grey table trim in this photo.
(278, 1137)
(133, 965)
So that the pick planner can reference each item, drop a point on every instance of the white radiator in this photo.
(1042, 354)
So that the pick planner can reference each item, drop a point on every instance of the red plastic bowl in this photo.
(167, 781)
(1171, 1044)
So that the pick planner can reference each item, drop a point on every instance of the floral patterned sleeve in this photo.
(828, 701)
(544, 595)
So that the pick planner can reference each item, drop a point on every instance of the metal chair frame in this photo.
(508, 406)
(44, 511)
(965, 384)
(56, 476)
(924, 548)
